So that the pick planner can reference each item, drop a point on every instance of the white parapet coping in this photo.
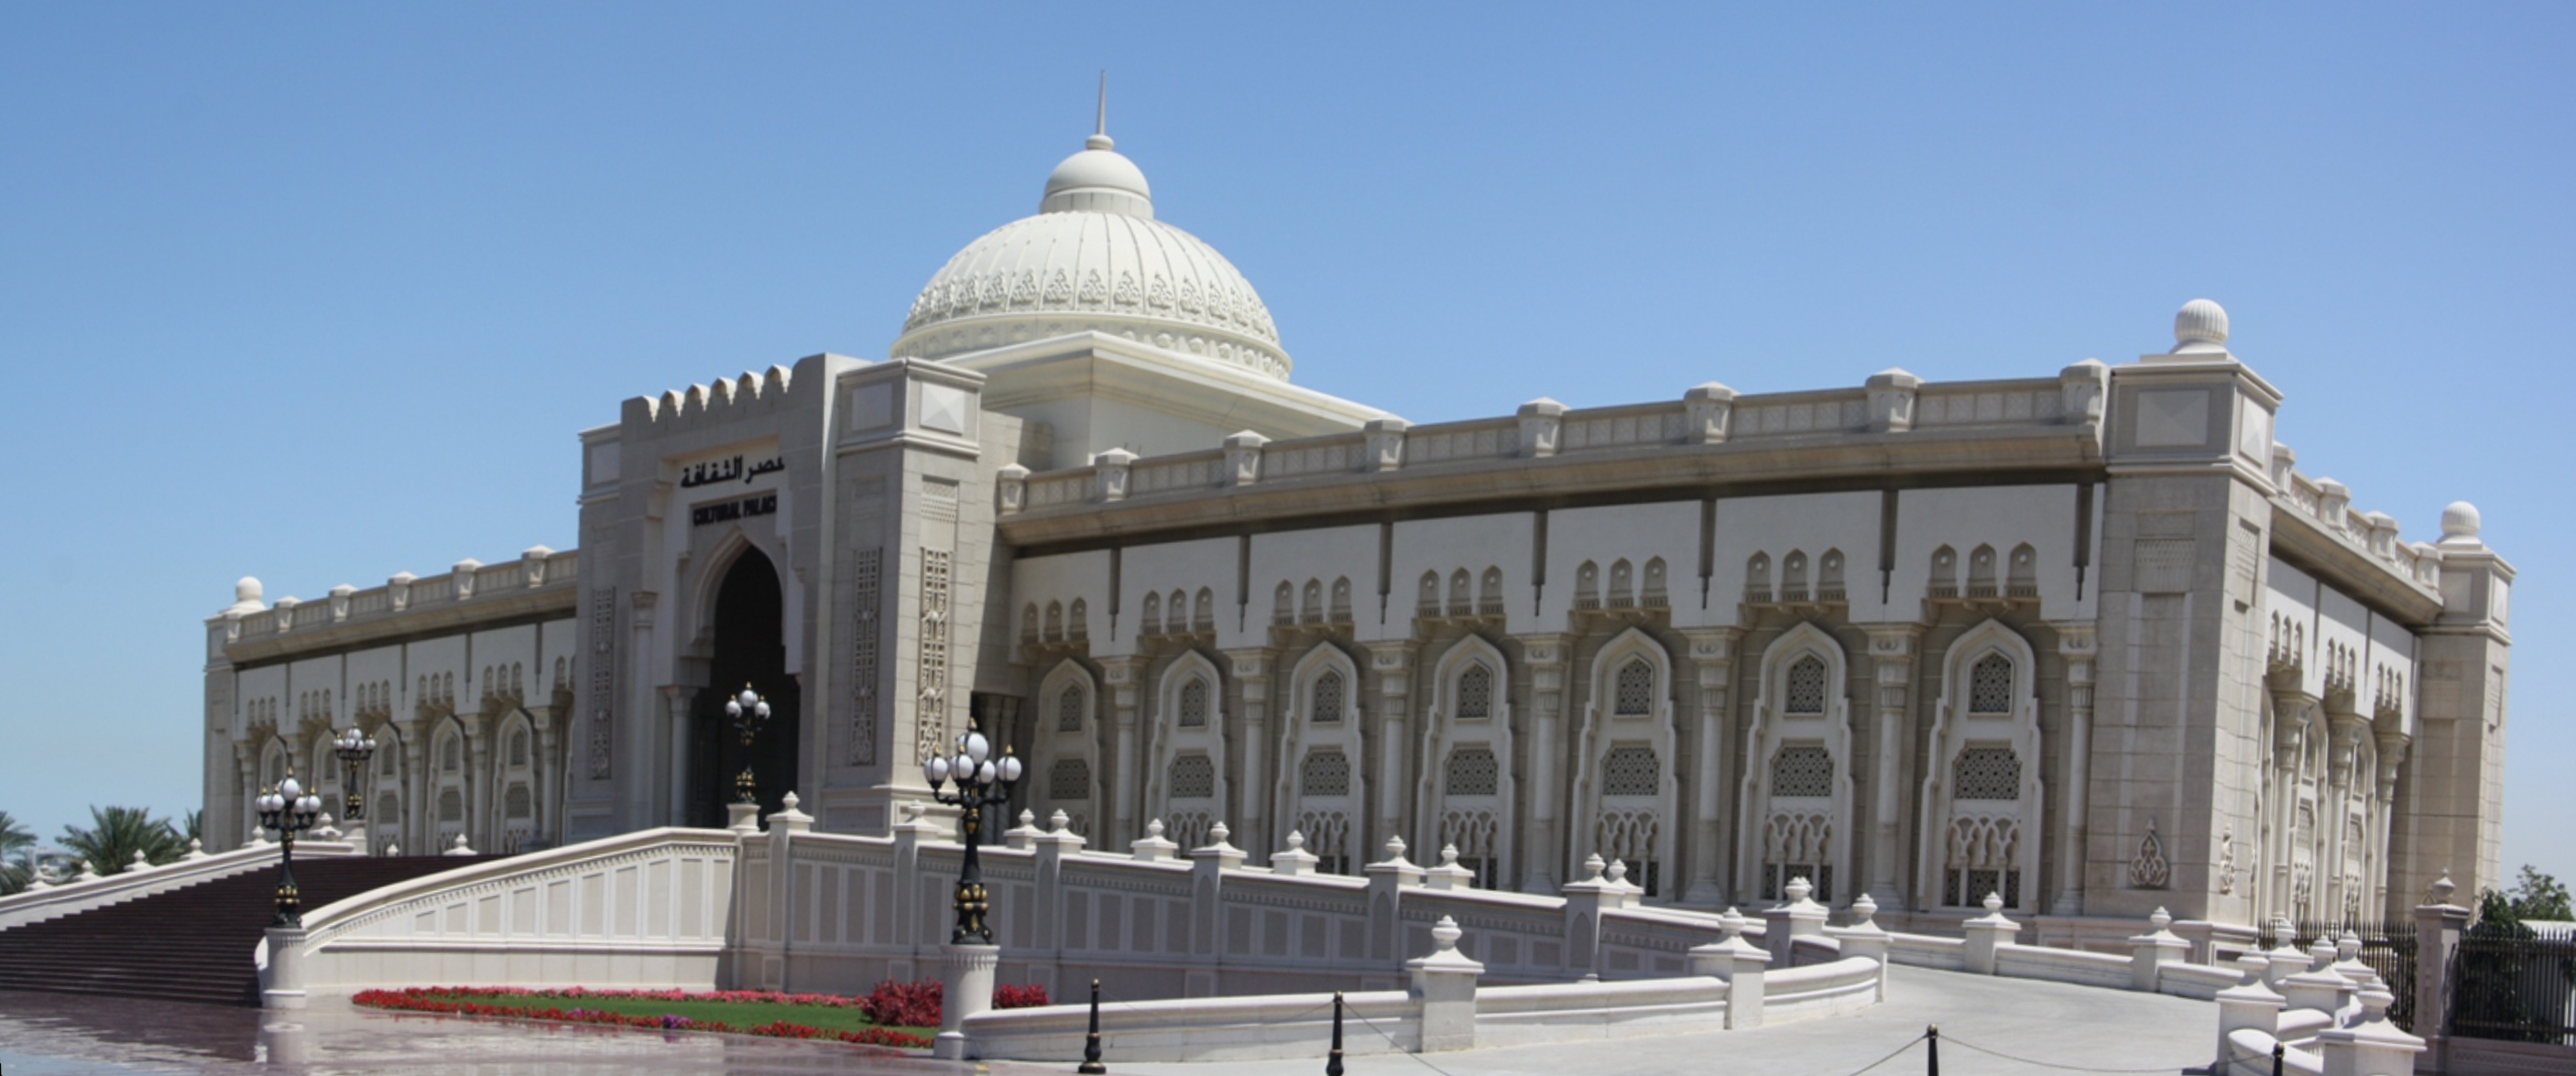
(1268, 1027)
(72, 898)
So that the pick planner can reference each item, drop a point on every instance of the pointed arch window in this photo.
(1473, 771)
(1069, 779)
(1476, 692)
(1193, 777)
(1194, 703)
(1986, 773)
(1326, 709)
(1068, 709)
(1325, 773)
(1636, 689)
(1805, 693)
(1630, 771)
(1802, 771)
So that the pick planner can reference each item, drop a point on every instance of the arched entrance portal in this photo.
(750, 648)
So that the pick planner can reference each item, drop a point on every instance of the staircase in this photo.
(194, 943)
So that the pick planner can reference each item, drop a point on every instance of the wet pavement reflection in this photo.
(70, 1035)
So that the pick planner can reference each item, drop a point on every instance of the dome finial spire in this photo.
(1100, 119)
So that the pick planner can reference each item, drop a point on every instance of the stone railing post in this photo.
(1449, 875)
(908, 835)
(1152, 848)
(2371, 1046)
(2438, 927)
(1710, 409)
(1109, 474)
(1050, 849)
(2321, 988)
(2248, 1005)
(1794, 918)
(1243, 458)
(1385, 440)
(1541, 420)
(1740, 963)
(281, 984)
(785, 825)
(1584, 901)
(1208, 864)
(1295, 859)
(1011, 489)
(1987, 934)
(1864, 938)
(2151, 951)
(1444, 984)
(1891, 401)
(1387, 880)
(2286, 956)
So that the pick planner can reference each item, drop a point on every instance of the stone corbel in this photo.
(1243, 458)
(1891, 401)
(1110, 474)
(1711, 410)
(1542, 420)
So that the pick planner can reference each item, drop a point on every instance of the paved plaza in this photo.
(2074, 1026)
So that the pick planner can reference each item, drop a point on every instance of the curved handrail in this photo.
(330, 920)
(71, 898)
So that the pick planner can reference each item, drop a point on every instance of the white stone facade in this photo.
(2087, 640)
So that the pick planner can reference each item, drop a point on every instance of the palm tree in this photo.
(17, 846)
(116, 833)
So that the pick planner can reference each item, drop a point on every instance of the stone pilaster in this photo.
(2077, 647)
(1392, 663)
(1891, 653)
(1121, 678)
(1712, 656)
(1252, 673)
(1546, 656)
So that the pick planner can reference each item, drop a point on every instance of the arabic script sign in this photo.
(714, 471)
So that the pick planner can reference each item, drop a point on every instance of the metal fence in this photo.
(2389, 949)
(2510, 986)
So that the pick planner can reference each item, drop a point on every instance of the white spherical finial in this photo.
(2201, 326)
(2460, 523)
(247, 589)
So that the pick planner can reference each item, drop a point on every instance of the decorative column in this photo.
(1393, 663)
(2392, 756)
(1546, 657)
(1121, 676)
(1712, 655)
(1891, 653)
(2077, 646)
(675, 789)
(1252, 671)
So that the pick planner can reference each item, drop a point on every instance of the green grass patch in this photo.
(736, 1013)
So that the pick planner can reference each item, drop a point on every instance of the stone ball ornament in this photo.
(2201, 326)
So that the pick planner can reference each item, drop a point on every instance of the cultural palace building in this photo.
(2090, 639)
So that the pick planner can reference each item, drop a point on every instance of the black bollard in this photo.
(1091, 1065)
(2277, 1051)
(1333, 1065)
(1932, 1035)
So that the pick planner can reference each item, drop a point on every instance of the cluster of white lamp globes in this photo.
(974, 764)
(288, 809)
(748, 712)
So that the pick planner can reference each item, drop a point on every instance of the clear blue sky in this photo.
(320, 293)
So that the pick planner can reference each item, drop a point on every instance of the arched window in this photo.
(451, 754)
(1326, 709)
(1990, 685)
(1476, 692)
(1473, 771)
(1325, 773)
(1068, 709)
(1806, 686)
(1986, 773)
(1194, 703)
(519, 748)
(1636, 689)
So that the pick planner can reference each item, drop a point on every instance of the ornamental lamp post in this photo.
(354, 748)
(288, 810)
(982, 781)
(748, 712)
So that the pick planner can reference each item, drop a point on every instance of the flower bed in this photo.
(822, 1016)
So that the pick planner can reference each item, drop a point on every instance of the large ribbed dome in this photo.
(1094, 258)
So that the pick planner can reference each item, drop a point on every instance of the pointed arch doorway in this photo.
(750, 648)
